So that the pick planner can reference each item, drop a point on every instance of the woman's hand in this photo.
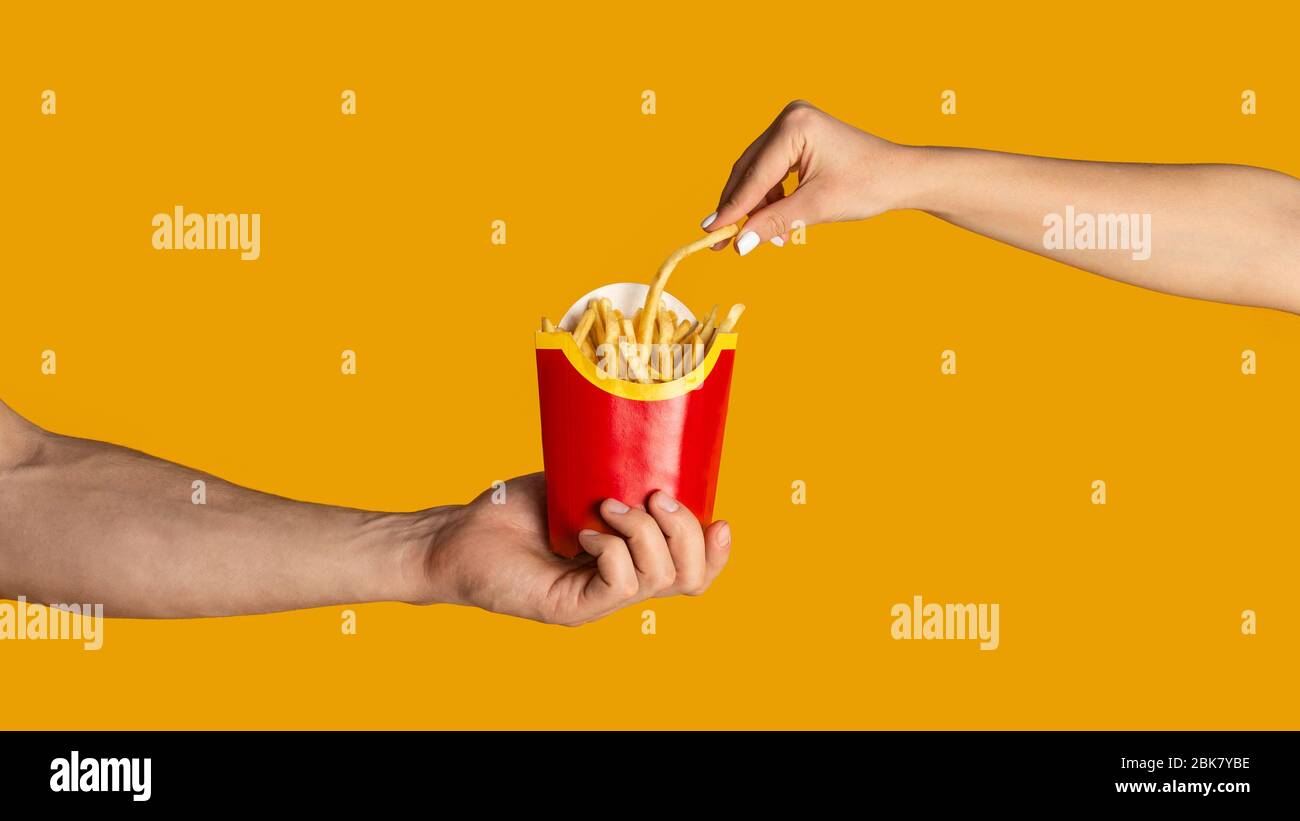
(843, 174)
(495, 556)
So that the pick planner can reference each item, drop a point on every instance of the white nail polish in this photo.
(747, 242)
(709, 220)
(778, 242)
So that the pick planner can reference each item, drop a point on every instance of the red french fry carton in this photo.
(604, 437)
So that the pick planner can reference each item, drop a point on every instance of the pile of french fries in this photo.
(653, 346)
(674, 347)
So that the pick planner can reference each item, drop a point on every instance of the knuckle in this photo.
(643, 523)
(665, 578)
(628, 588)
(699, 589)
(798, 108)
(690, 583)
(799, 115)
(778, 224)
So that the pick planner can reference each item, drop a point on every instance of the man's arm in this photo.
(88, 522)
(85, 521)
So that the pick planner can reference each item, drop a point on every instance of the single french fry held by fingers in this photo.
(657, 285)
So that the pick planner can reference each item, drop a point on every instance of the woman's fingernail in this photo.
(709, 220)
(747, 242)
(778, 242)
(724, 536)
(667, 503)
(615, 506)
(586, 536)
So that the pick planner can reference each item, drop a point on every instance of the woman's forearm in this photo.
(1227, 233)
(84, 521)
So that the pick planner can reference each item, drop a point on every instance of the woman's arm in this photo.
(85, 521)
(1227, 233)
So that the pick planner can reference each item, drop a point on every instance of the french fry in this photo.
(584, 326)
(607, 319)
(587, 350)
(633, 366)
(656, 292)
(697, 352)
(607, 360)
(665, 347)
(598, 326)
(685, 329)
(706, 331)
(611, 328)
(733, 316)
(547, 325)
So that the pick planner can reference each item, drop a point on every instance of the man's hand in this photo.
(495, 556)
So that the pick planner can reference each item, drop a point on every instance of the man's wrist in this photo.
(406, 542)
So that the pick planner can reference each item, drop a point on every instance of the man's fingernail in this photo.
(724, 536)
(747, 242)
(667, 503)
(615, 506)
(709, 220)
(778, 242)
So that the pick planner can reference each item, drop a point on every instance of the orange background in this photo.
(375, 237)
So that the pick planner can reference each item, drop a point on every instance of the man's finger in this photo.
(614, 581)
(685, 541)
(654, 564)
(717, 549)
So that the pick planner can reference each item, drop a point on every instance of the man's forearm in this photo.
(84, 521)
(1219, 232)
